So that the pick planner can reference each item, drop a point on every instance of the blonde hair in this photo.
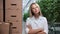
(31, 9)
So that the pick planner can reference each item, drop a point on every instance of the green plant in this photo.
(49, 9)
(26, 15)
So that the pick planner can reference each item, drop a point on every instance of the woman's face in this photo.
(35, 9)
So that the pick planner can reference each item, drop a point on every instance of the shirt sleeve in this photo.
(45, 26)
(27, 23)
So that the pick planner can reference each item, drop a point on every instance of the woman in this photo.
(36, 23)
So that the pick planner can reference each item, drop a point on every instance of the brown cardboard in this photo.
(13, 4)
(14, 8)
(0, 28)
(4, 28)
(1, 10)
(13, 16)
(16, 28)
(1, 15)
(1, 4)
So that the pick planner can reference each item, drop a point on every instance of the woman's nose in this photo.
(35, 8)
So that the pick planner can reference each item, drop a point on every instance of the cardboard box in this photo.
(16, 28)
(4, 28)
(1, 15)
(1, 4)
(13, 16)
(13, 4)
(0, 28)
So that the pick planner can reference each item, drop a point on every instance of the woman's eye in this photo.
(36, 7)
(33, 8)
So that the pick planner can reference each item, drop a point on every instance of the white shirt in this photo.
(40, 22)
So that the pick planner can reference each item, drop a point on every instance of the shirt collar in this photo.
(37, 18)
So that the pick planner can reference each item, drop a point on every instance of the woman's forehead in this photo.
(34, 5)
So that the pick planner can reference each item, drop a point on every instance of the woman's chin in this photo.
(36, 13)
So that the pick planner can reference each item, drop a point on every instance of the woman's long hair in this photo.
(31, 12)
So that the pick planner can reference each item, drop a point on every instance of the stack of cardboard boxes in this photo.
(1, 10)
(4, 28)
(13, 16)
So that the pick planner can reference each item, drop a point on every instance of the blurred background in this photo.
(50, 9)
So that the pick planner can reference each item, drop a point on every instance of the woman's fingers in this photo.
(41, 29)
(41, 32)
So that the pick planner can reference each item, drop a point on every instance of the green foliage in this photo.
(50, 9)
(26, 15)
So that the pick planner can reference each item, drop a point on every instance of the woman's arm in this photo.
(41, 32)
(45, 27)
(33, 31)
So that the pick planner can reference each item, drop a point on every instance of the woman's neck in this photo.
(36, 16)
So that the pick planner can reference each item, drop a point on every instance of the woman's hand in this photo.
(40, 29)
(33, 31)
(41, 32)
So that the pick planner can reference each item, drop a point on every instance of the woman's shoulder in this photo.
(42, 17)
(28, 18)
